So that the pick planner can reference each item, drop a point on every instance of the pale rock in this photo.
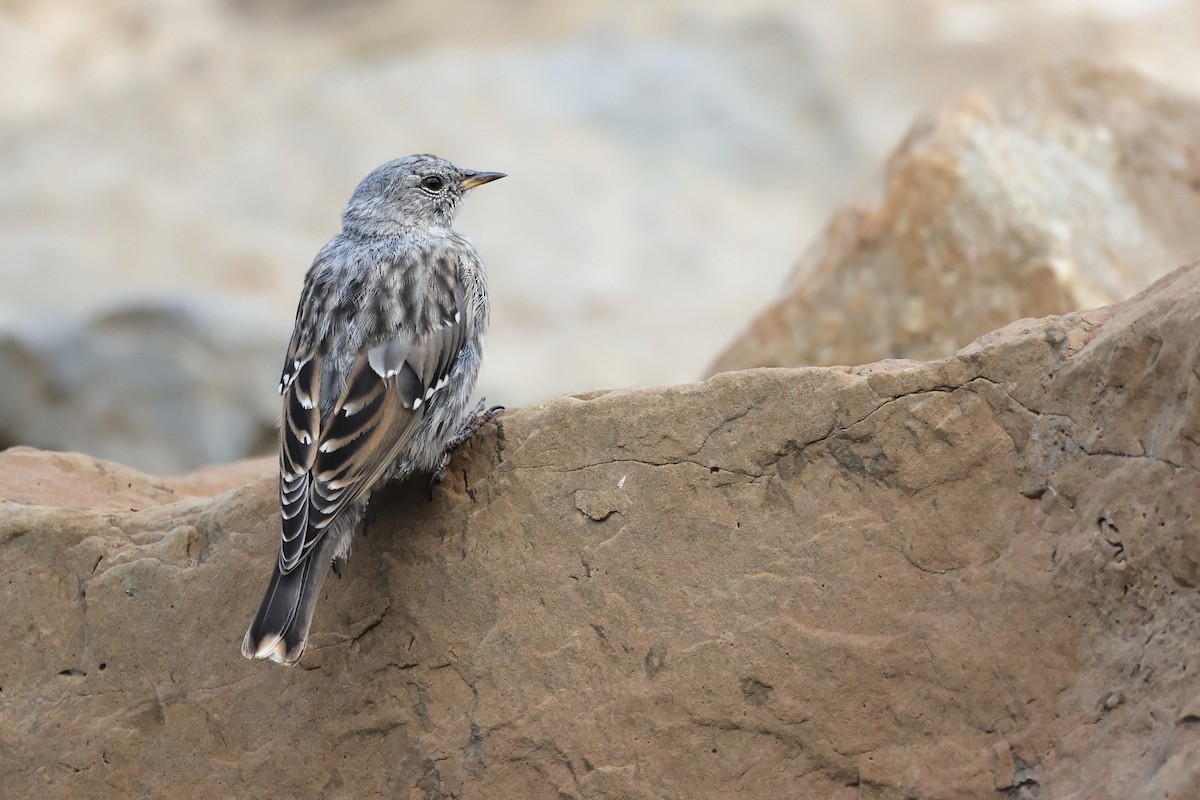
(164, 385)
(1074, 190)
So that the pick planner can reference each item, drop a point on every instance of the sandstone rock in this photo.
(973, 577)
(1076, 190)
(72, 480)
(163, 385)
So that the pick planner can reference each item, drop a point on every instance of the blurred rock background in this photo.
(167, 171)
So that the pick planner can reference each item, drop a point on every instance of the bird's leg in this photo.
(369, 515)
(478, 417)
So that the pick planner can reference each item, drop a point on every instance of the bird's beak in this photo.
(474, 179)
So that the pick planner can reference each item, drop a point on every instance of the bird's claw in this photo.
(475, 420)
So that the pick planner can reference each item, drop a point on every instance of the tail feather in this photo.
(280, 629)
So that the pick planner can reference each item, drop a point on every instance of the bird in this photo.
(377, 378)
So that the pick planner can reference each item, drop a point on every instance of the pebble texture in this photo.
(973, 577)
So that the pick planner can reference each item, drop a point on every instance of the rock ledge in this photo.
(956, 579)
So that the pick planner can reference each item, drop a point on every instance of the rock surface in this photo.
(30, 477)
(1073, 191)
(974, 577)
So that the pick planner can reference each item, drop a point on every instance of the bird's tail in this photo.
(280, 629)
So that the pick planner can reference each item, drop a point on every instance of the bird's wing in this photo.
(327, 462)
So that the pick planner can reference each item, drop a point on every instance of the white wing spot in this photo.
(621, 483)
(288, 377)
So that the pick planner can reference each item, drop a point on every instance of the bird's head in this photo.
(418, 192)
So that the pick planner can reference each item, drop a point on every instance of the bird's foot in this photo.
(478, 417)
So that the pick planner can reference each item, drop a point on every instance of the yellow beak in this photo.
(474, 179)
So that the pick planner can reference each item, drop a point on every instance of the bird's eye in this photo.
(433, 183)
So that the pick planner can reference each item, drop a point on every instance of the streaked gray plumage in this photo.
(377, 378)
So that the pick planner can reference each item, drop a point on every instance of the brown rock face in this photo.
(975, 577)
(1074, 191)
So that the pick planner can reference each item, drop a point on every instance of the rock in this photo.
(1074, 191)
(965, 578)
(71, 480)
(162, 385)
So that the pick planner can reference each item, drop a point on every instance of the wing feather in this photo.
(328, 463)
(298, 446)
